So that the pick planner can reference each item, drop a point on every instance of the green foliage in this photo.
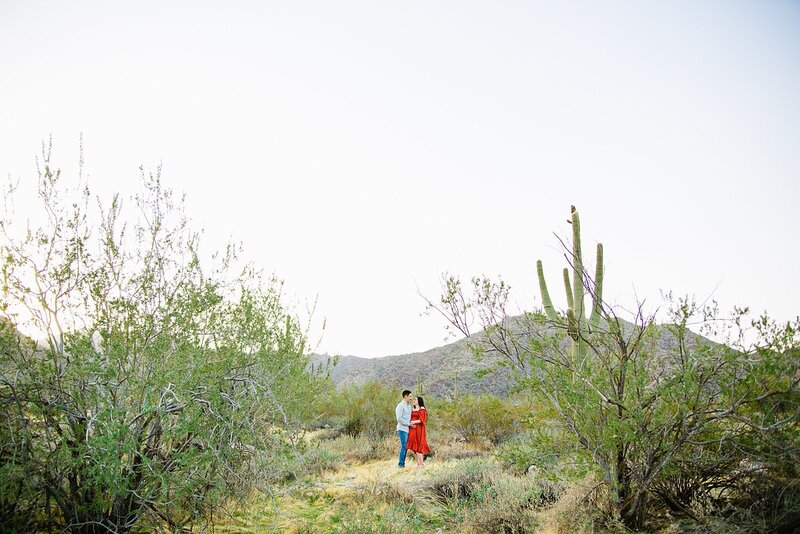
(397, 518)
(366, 409)
(652, 403)
(490, 499)
(360, 449)
(288, 464)
(481, 418)
(547, 452)
(462, 479)
(152, 395)
(507, 506)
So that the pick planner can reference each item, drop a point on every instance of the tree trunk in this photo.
(633, 512)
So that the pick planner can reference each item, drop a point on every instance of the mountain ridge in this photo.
(442, 371)
(449, 369)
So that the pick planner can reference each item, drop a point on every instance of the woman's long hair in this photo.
(421, 402)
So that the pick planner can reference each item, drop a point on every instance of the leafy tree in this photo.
(149, 395)
(646, 399)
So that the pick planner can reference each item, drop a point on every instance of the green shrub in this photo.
(481, 497)
(478, 419)
(158, 378)
(395, 519)
(289, 463)
(640, 396)
(547, 451)
(508, 506)
(360, 449)
(582, 507)
(366, 409)
(462, 479)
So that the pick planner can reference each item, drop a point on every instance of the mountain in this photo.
(444, 370)
(441, 371)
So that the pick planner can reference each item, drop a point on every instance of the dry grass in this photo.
(580, 509)
(460, 489)
(360, 450)
(472, 494)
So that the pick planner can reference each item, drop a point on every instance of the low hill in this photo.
(441, 371)
(448, 369)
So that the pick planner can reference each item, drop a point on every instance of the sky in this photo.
(359, 150)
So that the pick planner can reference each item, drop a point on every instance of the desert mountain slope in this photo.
(441, 371)
(448, 369)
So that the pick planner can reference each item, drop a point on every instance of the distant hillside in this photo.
(442, 371)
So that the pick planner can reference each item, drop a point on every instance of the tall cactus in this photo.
(576, 322)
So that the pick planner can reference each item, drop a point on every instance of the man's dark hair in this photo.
(406, 392)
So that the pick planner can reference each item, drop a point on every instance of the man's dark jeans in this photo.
(401, 462)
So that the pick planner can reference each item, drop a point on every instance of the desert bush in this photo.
(358, 522)
(546, 452)
(479, 419)
(150, 398)
(385, 504)
(541, 447)
(328, 433)
(323, 408)
(461, 479)
(405, 518)
(360, 449)
(380, 488)
(394, 519)
(582, 507)
(637, 395)
(290, 463)
(366, 409)
(507, 506)
(487, 498)
(763, 500)
(446, 447)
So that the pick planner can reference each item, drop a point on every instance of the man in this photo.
(403, 415)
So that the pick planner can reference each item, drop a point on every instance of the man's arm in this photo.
(398, 413)
(403, 415)
(407, 416)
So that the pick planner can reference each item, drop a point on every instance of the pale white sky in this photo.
(358, 149)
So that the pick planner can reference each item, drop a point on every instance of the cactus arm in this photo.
(576, 321)
(597, 298)
(548, 304)
(578, 289)
(572, 325)
(568, 289)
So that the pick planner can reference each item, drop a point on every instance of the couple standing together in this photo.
(411, 428)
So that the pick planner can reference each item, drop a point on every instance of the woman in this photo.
(417, 438)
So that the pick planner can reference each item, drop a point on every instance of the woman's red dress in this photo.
(417, 438)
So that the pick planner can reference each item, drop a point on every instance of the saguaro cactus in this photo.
(576, 322)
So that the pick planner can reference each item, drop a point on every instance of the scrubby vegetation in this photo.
(158, 391)
(465, 486)
(154, 388)
(697, 426)
(537, 480)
